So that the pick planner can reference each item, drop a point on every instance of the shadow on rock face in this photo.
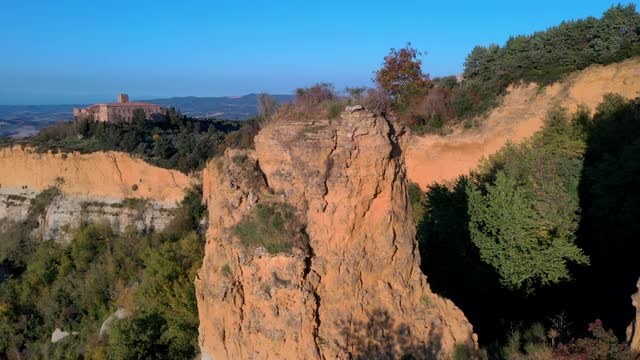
(381, 337)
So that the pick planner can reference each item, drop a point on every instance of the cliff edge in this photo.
(111, 186)
(350, 285)
(104, 174)
(435, 158)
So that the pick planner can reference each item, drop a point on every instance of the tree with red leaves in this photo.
(401, 74)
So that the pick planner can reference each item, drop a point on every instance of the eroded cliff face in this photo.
(102, 186)
(107, 175)
(356, 288)
(434, 158)
(64, 213)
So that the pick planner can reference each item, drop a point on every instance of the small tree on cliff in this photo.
(401, 75)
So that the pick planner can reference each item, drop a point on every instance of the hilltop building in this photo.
(121, 111)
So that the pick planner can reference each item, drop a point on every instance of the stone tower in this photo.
(123, 98)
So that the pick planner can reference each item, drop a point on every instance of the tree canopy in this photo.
(543, 57)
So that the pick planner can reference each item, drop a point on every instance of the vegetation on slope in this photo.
(544, 57)
(523, 212)
(76, 287)
(15, 237)
(176, 143)
(542, 237)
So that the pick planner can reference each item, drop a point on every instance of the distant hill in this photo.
(230, 107)
(25, 120)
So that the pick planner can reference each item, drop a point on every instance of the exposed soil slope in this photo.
(435, 158)
(112, 175)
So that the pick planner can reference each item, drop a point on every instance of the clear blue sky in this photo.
(81, 51)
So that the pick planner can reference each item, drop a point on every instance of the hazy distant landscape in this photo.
(25, 120)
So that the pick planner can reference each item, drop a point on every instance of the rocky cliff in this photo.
(106, 175)
(63, 213)
(351, 285)
(101, 186)
(435, 158)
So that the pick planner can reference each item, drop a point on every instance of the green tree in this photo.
(82, 126)
(139, 119)
(504, 226)
(162, 147)
(137, 338)
(524, 208)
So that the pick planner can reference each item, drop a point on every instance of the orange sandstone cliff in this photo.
(356, 289)
(101, 186)
(434, 158)
(101, 174)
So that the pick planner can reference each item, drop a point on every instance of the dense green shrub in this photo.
(273, 226)
(417, 200)
(511, 237)
(16, 237)
(524, 210)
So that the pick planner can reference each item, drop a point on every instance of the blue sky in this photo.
(80, 51)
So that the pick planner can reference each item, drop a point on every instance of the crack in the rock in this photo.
(328, 167)
(241, 291)
(115, 163)
(395, 246)
(308, 265)
(262, 174)
(376, 193)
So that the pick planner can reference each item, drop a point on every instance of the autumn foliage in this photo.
(401, 74)
(602, 344)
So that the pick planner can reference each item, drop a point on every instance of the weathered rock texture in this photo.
(101, 186)
(99, 175)
(66, 213)
(434, 158)
(633, 332)
(357, 288)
